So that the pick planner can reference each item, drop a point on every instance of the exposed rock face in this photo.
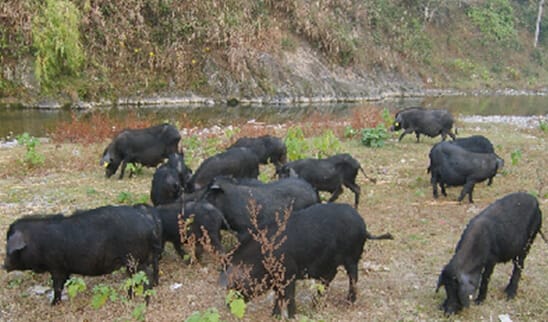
(301, 76)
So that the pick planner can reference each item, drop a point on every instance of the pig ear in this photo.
(16, 242)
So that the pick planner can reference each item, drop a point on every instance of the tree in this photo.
(539, 17)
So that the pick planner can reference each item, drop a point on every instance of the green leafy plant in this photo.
(350, 132)
(374, 137)
(56, 38)
(134, 285)
(74, 286)
(134, 168)
(236, 303)
(543, 126)
(296, 144)
(15, 282)
(139, 311)
(327, 144)
(515, 156)
(210, 315)
(387, 117)
(32, 157)
(103, 293)
(128, 198)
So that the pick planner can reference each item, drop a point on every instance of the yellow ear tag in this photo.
(397, 124)
(105, 164)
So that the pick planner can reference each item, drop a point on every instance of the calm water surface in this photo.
(39, 122)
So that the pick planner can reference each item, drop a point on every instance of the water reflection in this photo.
(39, 122)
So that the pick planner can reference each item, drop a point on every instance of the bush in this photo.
(374, 137)
(495, 19)
(32, 158)
(296, 144)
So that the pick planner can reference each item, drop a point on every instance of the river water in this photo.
(38, 122)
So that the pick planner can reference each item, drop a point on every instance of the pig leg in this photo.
(356, 190)
(467, 189)
(407, 131)
(488, 270)
(285, 296)
(123, 168)
(434, 183)
(443, 192)
(512, 287)
(335, 194)
(59, 279)
(443, 136)
(417, 134)
(216, 241)
(352, 271)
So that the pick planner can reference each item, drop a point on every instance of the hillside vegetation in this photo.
(88, 50)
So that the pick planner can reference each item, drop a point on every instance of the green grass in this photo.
(426, 232)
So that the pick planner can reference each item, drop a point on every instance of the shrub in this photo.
(296, 144)
(32, 158)
(327, 144)
(374, 137)
(74, 286)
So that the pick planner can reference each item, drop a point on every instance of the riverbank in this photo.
(160, 101)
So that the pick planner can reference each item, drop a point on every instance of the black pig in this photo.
(502, 232)
(329, 174)
(149, 147)
(422, 121)
(91, 242)
(315, 242)
(451, 165)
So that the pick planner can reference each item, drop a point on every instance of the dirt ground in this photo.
(397, 279)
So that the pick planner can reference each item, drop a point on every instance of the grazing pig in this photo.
(149, 147)
(204, 216)
(236, 162)
(502, 232)
(423, 121)
(328, 174)
(451, 165)
(91, 242)
(168, 180)
(478, 144)
(234, 198)
(266, 147)
(315, 242)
